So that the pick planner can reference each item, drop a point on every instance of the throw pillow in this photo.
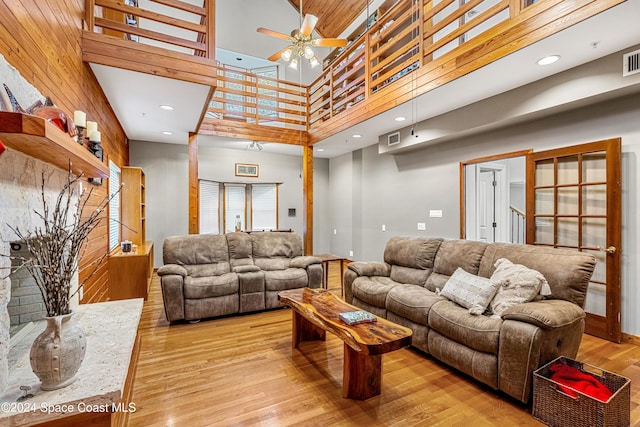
(470, 291)
(517, 284)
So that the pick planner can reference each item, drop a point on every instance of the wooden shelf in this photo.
(39, 138)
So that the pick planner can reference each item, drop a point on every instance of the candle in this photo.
(80, 118)
(91, 127)
(95, 136)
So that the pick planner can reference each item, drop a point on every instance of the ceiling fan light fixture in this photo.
(308, 52)
(314, 62)
(294, 63)
(286, 55)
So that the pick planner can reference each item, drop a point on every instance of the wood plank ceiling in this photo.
(333, 16)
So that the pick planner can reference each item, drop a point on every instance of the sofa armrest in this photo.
(370, 268)
(546, 314)
(172, 286)
(304, 261)
(245, 268)
(533, 334)
(168, 269)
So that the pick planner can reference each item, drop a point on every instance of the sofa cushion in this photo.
(206, 270)
(280, 280)
(412, 302)
(411, 252)
(194, 249)
(373, 290)
(210, 286)
(470, 291)
(271, 264)
(240, 249)
(412, 276)
(270, 244)
(567, 271)
(453, 254)
(518, 284)
(480, 333)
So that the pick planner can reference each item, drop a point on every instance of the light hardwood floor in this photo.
(242, 371)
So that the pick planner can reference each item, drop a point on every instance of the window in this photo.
(266, 97)
(264, 207)
(209, 207)
(254, 206)
(114, 206)
(235, 205)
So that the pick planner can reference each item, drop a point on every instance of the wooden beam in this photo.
(307, 190)
(194, 187)
(242, 129)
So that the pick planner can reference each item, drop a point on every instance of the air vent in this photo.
(631, 63)
(393, 139)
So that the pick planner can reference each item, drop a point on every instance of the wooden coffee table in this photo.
(316, 311)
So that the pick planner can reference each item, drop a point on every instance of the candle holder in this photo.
(80, 134)
(96, 148)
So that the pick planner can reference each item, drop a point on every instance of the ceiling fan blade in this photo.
(274, 34)
(308, 24)
(277, 55)
(330, 42)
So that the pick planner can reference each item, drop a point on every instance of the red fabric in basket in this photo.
(578, 380)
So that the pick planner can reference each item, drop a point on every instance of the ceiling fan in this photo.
(302, 42)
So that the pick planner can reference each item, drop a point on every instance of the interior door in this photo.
(486, 206)
(574, 201)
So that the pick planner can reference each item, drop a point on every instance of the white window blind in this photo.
(114, 206)
(234, 195)
(264, 205)
(209, 207)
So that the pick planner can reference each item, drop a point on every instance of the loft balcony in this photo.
(411, 49)
(137, 46)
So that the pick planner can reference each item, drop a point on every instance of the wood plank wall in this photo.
(42, 40)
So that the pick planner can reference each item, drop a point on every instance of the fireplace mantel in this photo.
(42, 140)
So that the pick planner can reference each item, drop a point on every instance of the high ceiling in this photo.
(135, 97)
(334, 16)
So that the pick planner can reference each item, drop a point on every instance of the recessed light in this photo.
(400, 119)
(548, 59)
(166, 132)
(166, 107)
(320, 150)
(356, 135)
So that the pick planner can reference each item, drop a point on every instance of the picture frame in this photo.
(246, 169)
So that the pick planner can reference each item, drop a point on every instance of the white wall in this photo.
(399, 190)
(166, 168)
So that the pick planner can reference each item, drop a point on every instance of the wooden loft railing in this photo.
(418, 45)
(412, 48)
(251, 106)
(118, 33)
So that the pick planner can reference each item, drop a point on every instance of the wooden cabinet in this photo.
(130, 273)
(132, 202)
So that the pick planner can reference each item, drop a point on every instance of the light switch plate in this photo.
(384, 227)
(422, 226)
(350, 253)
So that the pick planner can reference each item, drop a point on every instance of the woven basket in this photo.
(556, 408)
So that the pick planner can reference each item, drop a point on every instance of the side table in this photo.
(326, 259)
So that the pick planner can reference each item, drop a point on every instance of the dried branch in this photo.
(55, 247)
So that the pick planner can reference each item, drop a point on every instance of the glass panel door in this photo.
(574, 202)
